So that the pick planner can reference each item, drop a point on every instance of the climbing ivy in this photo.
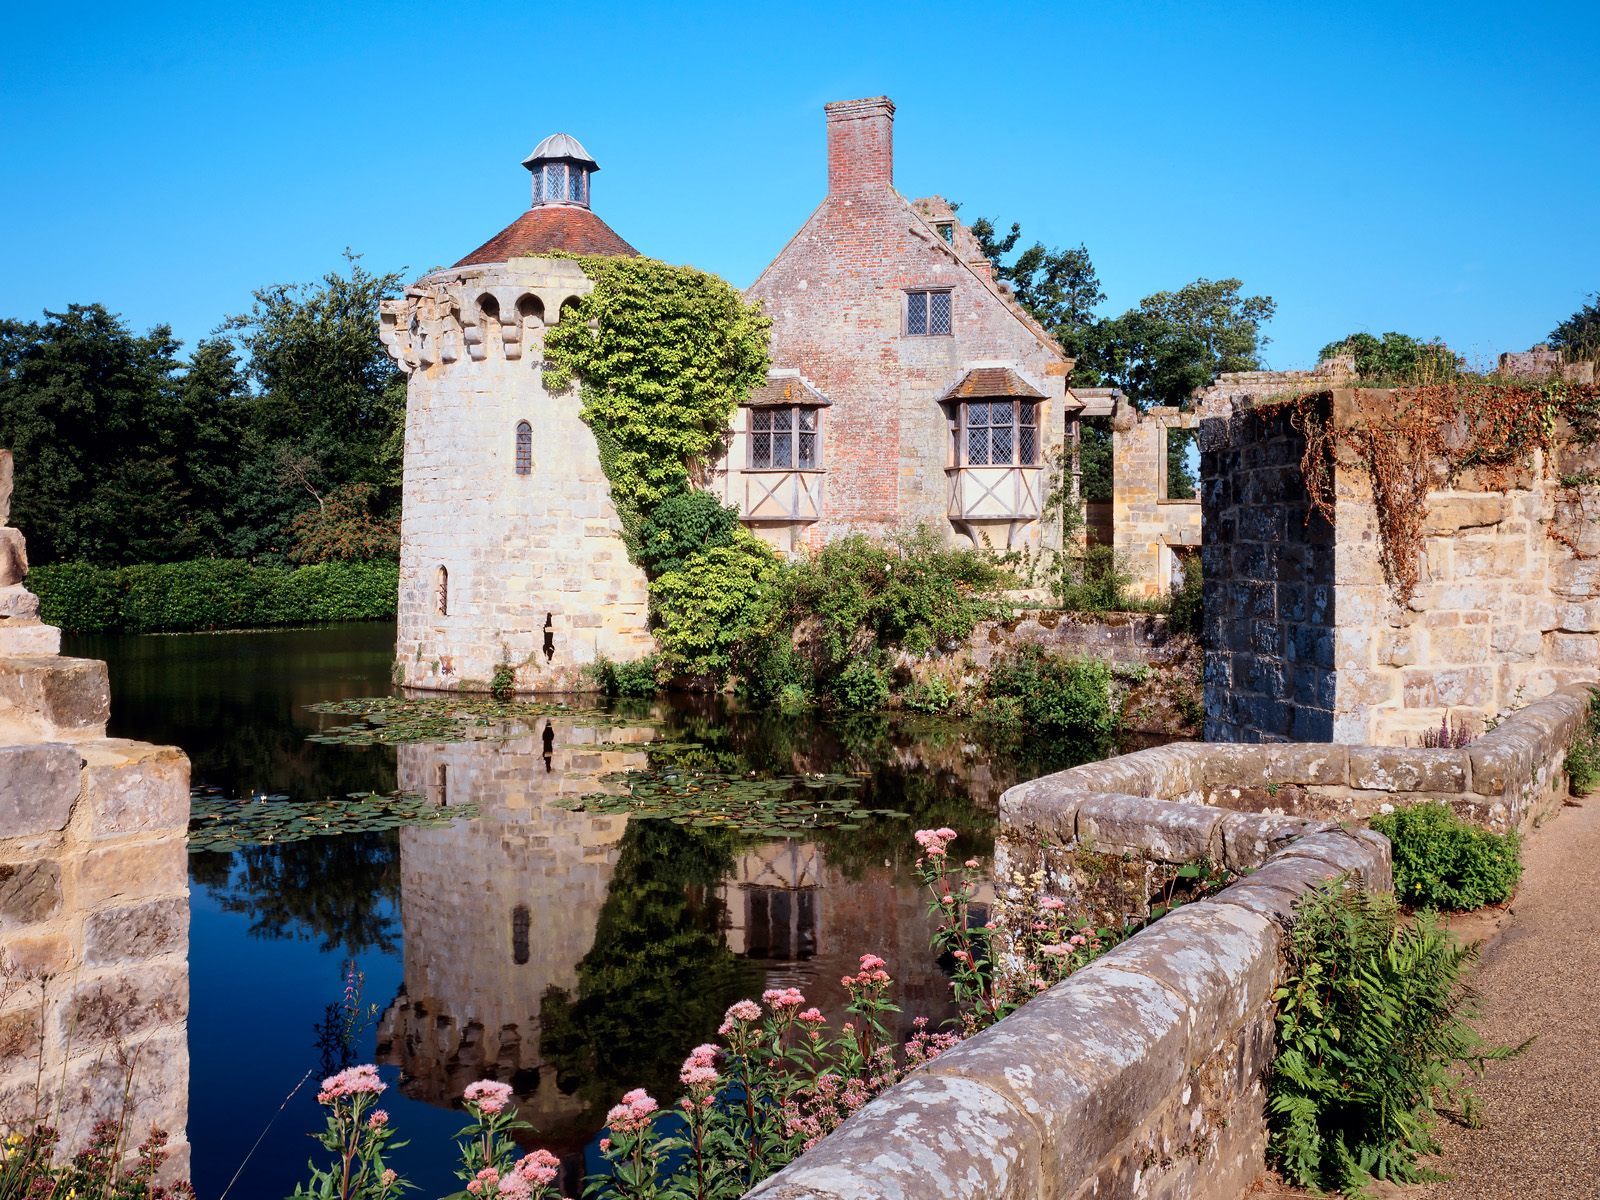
(664, 355)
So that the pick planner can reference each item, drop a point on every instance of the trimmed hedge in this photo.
(211, 593)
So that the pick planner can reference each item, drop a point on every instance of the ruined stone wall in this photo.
(1304, 636)
(532, 568)
(1141, 1074)
(94, 886)
(1147, 527)
(1129, 639)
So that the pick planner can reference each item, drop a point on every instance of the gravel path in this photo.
(1540, 1138)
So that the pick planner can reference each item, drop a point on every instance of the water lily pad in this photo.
(392, 720)
(221, 823)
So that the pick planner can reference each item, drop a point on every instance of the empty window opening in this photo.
(927, 313)
(549, 637)
(524, 448)
(947, 231)
(784, 439)
(1181, 465)
(999, 433)
(521, 922)
(441, 598)
(441, 785)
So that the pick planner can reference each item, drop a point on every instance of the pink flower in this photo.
(378, 1119)
(1059, 950)
(933, 841)
(871, 962)
(389, 1177)
(488, 1175)
(605, 1145)
(947, 898)
(355, 1081)
(812, 1016)
(744, 1010)
(541, 1167)
(475, 1188)
(1051, 904)
(779, 999)
(1078, 939)
(697, 1076)
(489, 1096)
(515, 1187)
(972, 864)
(634, 1113)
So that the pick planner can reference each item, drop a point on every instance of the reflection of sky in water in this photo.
(573, 954)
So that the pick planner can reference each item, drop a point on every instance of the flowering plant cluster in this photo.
(357, 1133)
(28, 1170)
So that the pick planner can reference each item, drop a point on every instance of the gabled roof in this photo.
(785, 386)
(548, 229)
(996, 381)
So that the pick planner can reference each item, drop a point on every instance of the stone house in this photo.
(908, 386)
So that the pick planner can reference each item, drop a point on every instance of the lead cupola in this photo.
(561, 168)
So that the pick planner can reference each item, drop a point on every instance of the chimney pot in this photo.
(860, 144)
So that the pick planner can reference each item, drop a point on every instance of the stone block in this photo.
(1344, 852)
(1236, 766)
(1044, 807)
(38, 786)
(1160, 829)
(136, 931)
(13, 556)
(70, 696)
(29, 639)
(1501, 761)
(142, 869)
(18, 604)
(122, 1004)
(29, 892)
(1409, 769)
(6, 478)
(1272, 889)
(1310, 764)
(1250, 839)
(134, 787)
(968, 1135)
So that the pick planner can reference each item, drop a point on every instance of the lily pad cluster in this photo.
(779, 806)
(393, 720)
(221, 822)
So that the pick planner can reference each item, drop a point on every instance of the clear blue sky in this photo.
(1430, 168)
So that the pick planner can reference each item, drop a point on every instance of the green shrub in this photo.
(1441, 861)
(705, 606)
(861, 686)
(930, 695)
(1095, 580)
(1048, 694)
(1371, 1030)
(1184, 614)
(211, 594)
(863, 599)
(630, 680)
(1583, 757)
(505, 679)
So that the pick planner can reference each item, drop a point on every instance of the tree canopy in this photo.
(127, 453)
(1157, 353)
(1578, 337)
(1395, 356)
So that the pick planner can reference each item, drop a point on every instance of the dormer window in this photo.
(927, 313)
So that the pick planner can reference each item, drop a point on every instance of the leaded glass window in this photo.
(575, 178)
(1001, 433)
(555, 180)
(524, 448)
(782, 439)
(927, 313)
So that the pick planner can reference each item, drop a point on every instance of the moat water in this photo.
(573, 954)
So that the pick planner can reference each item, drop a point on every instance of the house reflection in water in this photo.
(575, 955)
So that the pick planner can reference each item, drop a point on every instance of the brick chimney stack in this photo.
(860, 144)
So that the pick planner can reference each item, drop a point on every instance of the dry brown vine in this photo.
(1426, 438)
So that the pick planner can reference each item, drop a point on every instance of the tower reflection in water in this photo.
(576, 956)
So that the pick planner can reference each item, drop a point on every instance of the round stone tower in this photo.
(510, 547)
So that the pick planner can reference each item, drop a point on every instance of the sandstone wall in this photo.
(1140, 1074)
(532, 566)
(1148, 528)
(94, 909)
(1305, 639)
(1126, 638)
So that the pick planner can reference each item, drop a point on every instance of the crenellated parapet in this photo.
(479, 313)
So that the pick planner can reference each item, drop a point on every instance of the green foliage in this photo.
(343, 528)
(858, 599)
(1583, 756)
(1091, 580)
(1047, 694)
(683, 523)
(862, 685)
(1441, 861)
(211, 594)
(1396, 357)
(630, 680)
(664, 355)
(1058, 287)
(706, 605)
(1578, 337)
(1186, 604)
(931, 695)
(1094, 460)
(1371, 1029)
(504, 681)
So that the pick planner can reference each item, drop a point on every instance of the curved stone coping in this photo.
(1140, 1074)
(1502, 758)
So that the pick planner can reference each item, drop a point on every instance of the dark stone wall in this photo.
(1268, 559)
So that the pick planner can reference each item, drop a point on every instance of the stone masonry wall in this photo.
(1125, 638)
(532, 566)
(1143, 1073)
(1146, 525)
(94, 910)
(1304, 637)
